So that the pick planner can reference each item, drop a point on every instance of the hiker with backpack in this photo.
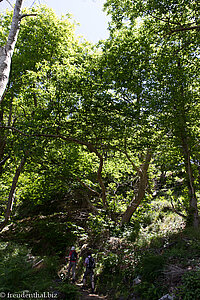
(90, 265)
(72, 262)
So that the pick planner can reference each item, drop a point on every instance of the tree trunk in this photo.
(142, 185)
(11, 194)
(193, 216)
(183, 133)
(2, 137)
(6, 52)
(89, 203)
(92, 149)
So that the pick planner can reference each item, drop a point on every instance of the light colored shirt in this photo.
(87, 260)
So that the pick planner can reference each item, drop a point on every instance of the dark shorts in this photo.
(89, 272)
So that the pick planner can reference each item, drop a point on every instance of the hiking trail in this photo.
(87, 295)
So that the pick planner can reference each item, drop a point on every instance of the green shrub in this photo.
(150, 267)
(177, 252)
(147, 290)
(190, 288)
(131, 231)
(17, 274)
(70, 291)
(14, 268)
(110, 263)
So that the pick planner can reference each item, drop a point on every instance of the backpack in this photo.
(91, 263)
(73, 256)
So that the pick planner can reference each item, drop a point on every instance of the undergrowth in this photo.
(18, 275)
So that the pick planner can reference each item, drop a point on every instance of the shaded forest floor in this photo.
(166, 264)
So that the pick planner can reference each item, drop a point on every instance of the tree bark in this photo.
(11, 194)
(6, 52)
(142, 185)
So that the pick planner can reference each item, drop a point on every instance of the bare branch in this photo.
(8, 3)
(27, 15)
(33, 3)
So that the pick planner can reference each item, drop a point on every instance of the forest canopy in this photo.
(76, 111)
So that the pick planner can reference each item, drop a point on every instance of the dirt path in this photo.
(87, 295)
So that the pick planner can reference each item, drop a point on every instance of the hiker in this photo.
(90, 265)
(72, 262)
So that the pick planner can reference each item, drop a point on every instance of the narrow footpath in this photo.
(87, 295)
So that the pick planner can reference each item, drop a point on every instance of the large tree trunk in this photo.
(11, 194)
(183, 133)
(193, 216)
(6, 52)
(142, 185)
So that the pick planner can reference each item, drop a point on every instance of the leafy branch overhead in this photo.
(171, 16)
(112, 126)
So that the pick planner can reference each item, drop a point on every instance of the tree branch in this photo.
(27, 15)
(178, 29)
(86, 186)
(11, 194)
(9, 3)
(184, 29)
(177, 212)
(162, 20)
(142, 186)
(132, 163)
(4, 160)
(90, 147)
